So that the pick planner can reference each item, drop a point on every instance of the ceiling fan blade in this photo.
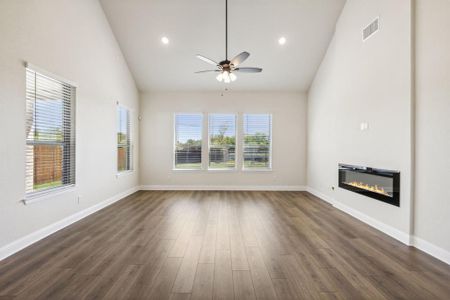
(238, 59)
(248, 70)
(207, 60)
(206, 71)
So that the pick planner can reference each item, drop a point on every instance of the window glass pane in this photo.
(48, 120)
(188, 141)
(222, 141)
(123, 139)
(257, 140)
(50, 133)
(122, 161)
(48, 166)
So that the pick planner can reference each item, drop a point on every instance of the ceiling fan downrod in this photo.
(226, 68)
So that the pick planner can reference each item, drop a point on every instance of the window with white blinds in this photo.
(222, 141)
(188, 141)
(50, 133)
(124, 148)
(257, 141)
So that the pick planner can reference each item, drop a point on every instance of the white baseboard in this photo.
(320, 195)
(401, 236)
(387, 229)
(431, 249)
(223, 188)
(32, 238)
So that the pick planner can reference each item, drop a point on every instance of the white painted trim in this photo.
(124, 173)
(387, 229)
(223, 188)
(32, 238)
(431, 249)
(410, 240)
(320, 195)
(48, 194)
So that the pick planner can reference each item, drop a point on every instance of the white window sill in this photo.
(205, 170)
(45, 195)
(124, 173)
(187, 170)
(222, 170)
(257, 170)
(247, 170)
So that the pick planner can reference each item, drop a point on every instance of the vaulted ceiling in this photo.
(198, 27)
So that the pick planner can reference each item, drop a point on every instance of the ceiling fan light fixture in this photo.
(226, 77)
(165, 40)
(227, 67)
(282, 40)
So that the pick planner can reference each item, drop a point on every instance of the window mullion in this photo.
(239, 142)
(205, 146)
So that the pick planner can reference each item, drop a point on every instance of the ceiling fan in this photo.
(227, 68)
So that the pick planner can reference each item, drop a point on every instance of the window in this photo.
(124, 149)
(50, 133)
(188, 141)
(222, 141)
(257, 141)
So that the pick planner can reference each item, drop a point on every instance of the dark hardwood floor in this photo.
(221, 245)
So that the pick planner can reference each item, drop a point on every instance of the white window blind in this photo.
(50, 133)
(124, 149)
(257, 141)
(188, 141)
(222, 141)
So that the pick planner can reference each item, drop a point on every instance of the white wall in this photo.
(364, 82)
(289, 138)
(73, 40)
(432, 198)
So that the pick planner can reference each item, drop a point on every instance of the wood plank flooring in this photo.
(221, 245)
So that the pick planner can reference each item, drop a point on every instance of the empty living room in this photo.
(224, 149)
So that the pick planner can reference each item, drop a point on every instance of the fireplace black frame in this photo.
(394, 175)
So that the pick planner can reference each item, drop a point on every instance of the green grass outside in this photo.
(222, 165)
(255, 164)
(212, 165)
(47, 185)
(189, 166)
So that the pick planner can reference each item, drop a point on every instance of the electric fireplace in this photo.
(383, 185)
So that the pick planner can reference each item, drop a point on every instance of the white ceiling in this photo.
(197, 27)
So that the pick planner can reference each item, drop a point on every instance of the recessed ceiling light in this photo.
(282, 40)
(165, 40)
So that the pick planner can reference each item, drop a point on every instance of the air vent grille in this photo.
(371, 29)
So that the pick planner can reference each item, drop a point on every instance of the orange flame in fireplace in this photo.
(371, 188)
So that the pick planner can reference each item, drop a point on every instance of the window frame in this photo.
(239, 150)
(236, 144)
(174, 146)
(131, 139)
(264, 169)
(38, 195)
